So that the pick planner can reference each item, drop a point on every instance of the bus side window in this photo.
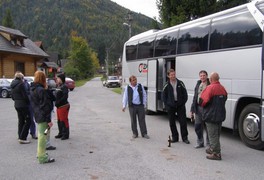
(235, 31)
(193, 39)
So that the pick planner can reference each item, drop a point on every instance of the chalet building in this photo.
(48, 65)
(19, 53)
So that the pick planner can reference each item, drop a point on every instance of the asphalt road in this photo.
(101, 147)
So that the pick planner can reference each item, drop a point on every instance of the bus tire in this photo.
(249, 126)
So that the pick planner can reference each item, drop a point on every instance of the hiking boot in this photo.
(214, 157)
(209, 151)
(58, 136)
(64, 137)
(186, 141)
(174, 140)
(199, 146)
(134, 136)
(146, 136)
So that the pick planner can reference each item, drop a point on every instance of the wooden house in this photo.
(18, 53)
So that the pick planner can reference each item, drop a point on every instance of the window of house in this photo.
(20, 66)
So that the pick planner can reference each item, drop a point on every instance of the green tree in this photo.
(71, 71)
(8, 20)
(173, 12)
(155, 24)
(82, 59)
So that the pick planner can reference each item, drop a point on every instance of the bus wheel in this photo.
(249, 126)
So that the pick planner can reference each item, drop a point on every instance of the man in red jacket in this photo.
(213, 100)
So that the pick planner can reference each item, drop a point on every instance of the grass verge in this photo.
(81, 82)
(117, 90)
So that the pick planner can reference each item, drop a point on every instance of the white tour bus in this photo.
(228, 42)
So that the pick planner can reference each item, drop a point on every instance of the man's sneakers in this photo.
(23, 141)
(146, 136)
(198, 146)
(209, 151)
(214, 156)
(134, 136)
(211, 155)
(186, 141)
(174, 140)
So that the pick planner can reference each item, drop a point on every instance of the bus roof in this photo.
(154, 32)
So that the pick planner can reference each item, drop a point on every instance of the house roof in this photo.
(50, 64)
(12, 31)
(29, 48)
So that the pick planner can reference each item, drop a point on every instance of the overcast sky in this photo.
(146, 7)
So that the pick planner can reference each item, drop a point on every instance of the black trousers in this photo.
(181, 114)
(138, 112)
(24, 122)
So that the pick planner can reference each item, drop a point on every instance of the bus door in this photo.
(163, 66)
(152, 85)
(262, 91)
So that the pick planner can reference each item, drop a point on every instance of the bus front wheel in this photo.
(249, 126)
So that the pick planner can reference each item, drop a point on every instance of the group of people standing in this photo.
(207, 110)
(36, 101)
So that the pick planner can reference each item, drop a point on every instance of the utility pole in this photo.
(107, 57)
(106, 62)
(128, 23)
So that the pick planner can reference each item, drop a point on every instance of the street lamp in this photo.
(129, 28)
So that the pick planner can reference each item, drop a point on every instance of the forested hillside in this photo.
(100, 22)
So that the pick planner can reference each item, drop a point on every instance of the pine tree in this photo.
(173, 12)
(8, 20)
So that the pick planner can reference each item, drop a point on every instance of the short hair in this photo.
(203, 71)
(19, 75)
(40, 77)
(169, 71)
(132, 77)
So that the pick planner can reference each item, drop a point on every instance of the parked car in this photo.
(112, 81)
(51, 83)
(29, 79)
(70, 83)
(5, 88)
(104, 82)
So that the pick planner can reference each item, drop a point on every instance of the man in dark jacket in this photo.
(20, 97)
(213, 100)
(174, 97)
(199, 124)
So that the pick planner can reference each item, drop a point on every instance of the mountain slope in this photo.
(52, 21)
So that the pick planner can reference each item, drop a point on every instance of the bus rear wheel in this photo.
(249, 126)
